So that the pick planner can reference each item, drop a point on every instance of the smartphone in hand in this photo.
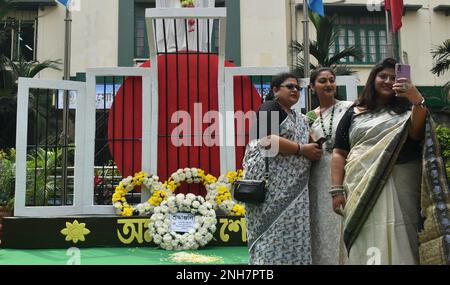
(321, 141)
(402, 71)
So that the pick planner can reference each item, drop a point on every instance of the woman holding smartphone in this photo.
(327, 245)
(377, 164)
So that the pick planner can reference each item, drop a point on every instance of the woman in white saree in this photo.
(376, 163)
(326, 242)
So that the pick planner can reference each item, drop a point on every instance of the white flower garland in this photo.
(219, 194)
(152, 184)
(190, 175)
(199, 236)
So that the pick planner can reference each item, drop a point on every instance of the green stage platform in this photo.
(118, 256)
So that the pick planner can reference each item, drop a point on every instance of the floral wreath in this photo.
(151, 183)
(199, 235)
(219, 194)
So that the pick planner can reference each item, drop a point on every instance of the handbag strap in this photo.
(266, 173)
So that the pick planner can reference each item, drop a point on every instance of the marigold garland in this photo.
(219, 194)
(151, 183)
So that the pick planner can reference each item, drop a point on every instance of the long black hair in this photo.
(277, 81)
(368, 97)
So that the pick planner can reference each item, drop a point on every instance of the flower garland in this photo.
(219, 194)
(190, 175)
(151, 183)
(218, 191)
(200, 234)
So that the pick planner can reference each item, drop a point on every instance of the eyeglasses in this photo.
(291, 86)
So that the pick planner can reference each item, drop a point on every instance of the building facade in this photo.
(109, 33)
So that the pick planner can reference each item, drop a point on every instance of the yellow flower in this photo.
(127, 212)
(238, 210)
(75, 231)
(116, 197)
(209, 179)
(232, 175)
(157, 198)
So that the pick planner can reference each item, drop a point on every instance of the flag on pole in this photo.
(316, 6)
(64, 2)
(396, 8)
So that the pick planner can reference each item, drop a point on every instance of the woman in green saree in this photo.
(376, 170)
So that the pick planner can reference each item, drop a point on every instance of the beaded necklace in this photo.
(328, 143)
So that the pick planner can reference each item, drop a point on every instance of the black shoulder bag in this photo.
(252, 191)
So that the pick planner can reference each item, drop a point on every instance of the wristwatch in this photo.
(421, 104)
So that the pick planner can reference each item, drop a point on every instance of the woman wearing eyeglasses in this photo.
(278, 230)
(327, 246)
(377, 164)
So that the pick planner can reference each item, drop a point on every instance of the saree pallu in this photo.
(382, 214)
(278, 230)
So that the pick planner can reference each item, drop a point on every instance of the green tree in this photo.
(9, 75)
(327, 35)
(441, 56)
(5, 7)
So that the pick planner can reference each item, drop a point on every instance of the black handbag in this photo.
(252, 191)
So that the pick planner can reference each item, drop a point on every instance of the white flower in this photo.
(176, 178)
(167, 238)
(161, 230)
(157, 239)
(198, 237)
(196, 204)
(182, 176)
(190, 196)
(187, 202)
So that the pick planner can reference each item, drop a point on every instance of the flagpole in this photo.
(65, 131)
(306, 49)
(389, 47)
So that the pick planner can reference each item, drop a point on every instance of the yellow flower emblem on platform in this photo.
(75, 231)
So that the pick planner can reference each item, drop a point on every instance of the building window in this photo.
(17, 39)
(366, 32)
